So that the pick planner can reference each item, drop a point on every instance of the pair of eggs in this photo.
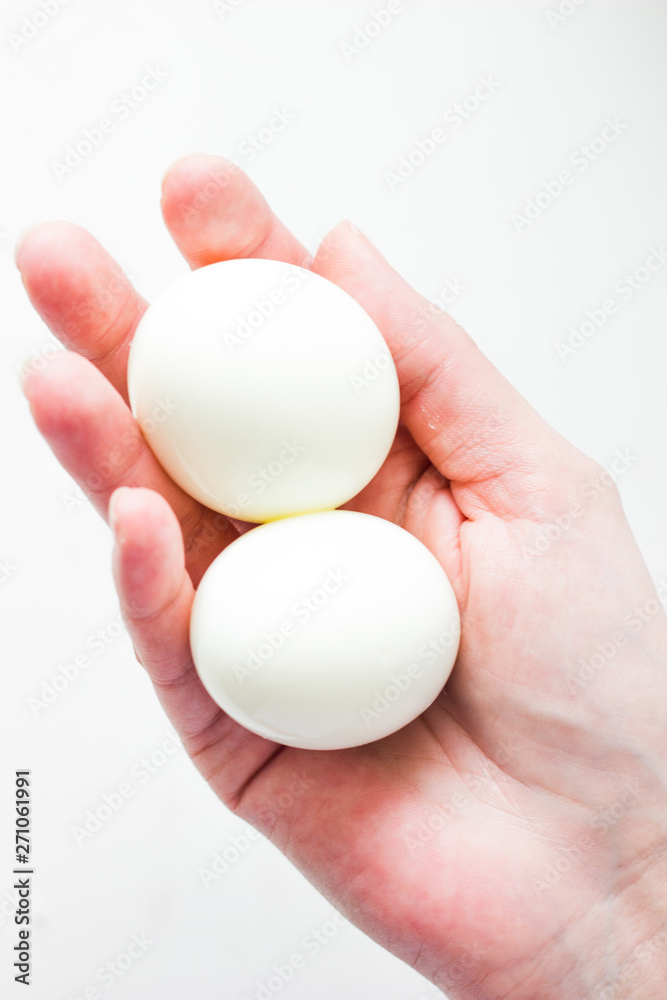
(269, 394)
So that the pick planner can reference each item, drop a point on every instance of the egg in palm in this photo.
(270, 395)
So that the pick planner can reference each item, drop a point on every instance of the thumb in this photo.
(497, 452)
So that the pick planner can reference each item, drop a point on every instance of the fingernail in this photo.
(307, 262)
(21, 237)
(113, 509)
(180, 159)
(38, 361)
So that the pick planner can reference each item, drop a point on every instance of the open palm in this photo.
(510, 842)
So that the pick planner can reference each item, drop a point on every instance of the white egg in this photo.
(263, 389)
(325, 630)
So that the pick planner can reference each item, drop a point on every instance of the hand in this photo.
(511, 841)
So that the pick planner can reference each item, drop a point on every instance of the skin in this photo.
(511, 842)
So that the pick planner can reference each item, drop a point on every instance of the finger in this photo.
(98, 441)
(499, 455)
(156, 597)
(82, 294)
(215, 212)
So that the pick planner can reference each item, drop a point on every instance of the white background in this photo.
(354, 115)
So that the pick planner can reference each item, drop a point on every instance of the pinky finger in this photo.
(156, 597)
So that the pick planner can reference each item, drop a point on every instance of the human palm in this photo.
(510, 842)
